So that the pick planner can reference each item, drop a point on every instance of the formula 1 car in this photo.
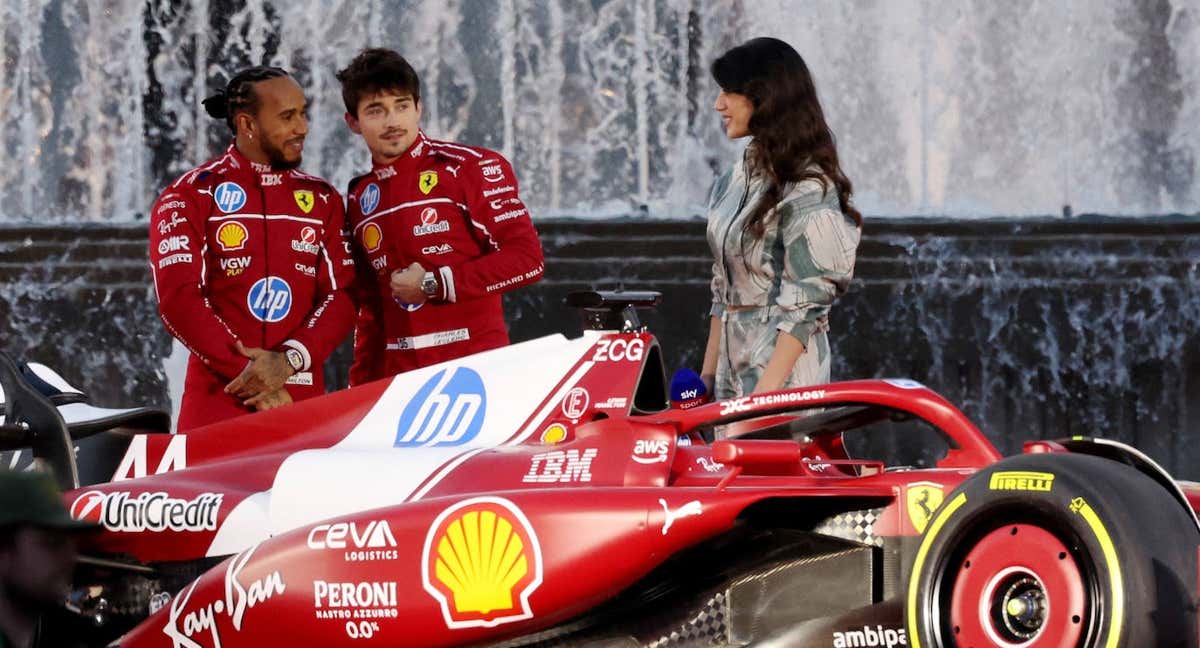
(548, 494)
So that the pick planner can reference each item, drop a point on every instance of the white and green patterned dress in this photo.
(784, 281)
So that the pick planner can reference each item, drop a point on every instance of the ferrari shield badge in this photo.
(304, 199)
(481, 562)
(922, 499)
(427, 181)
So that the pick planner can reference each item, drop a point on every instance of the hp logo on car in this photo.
(229, 197)
(447, 410)
(269, 299)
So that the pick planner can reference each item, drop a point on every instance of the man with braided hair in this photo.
(250, 260)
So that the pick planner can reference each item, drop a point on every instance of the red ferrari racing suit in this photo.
(241, 252)
(455, 210)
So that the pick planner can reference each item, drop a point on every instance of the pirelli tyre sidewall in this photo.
(1059, 550)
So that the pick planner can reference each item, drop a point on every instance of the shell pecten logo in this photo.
(481, 562)
(232, 236)
(372, 236)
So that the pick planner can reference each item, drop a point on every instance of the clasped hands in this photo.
(261, 383)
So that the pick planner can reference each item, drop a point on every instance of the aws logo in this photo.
(448, 410)
(481, 562)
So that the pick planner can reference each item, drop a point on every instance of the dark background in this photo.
(1036, 328)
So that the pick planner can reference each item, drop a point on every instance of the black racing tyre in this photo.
(1056, 550)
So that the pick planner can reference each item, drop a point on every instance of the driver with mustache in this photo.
(249, 259)
(439, 229)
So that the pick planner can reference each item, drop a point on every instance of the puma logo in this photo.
(691, 508)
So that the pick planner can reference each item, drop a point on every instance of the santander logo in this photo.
(89, 506)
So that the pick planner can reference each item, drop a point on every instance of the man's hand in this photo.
(270, 400)
(267, 372)
(406, 284)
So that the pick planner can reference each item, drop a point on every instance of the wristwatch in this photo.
(429, 286)
(295, 359)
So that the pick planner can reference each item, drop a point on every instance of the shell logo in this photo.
(372, 236)
(481, 562)
(232, 236)
(556, 433)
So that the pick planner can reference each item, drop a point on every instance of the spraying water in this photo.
(971, 108)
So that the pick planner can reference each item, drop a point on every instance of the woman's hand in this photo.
(783, 359)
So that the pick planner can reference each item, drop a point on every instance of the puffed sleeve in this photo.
(819, 249)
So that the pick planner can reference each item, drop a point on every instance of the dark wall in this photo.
(1035, 328)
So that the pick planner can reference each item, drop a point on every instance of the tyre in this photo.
(1056, 550)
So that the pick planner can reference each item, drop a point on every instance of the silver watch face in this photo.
(295, 359)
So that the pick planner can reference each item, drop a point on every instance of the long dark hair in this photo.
(788, 124)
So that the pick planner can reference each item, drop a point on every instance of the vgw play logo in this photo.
(447, 410)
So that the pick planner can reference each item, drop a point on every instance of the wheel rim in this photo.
(1018, 587)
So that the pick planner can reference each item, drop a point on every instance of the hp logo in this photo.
(369, 199)
(447, 410)
(269, 299)
(229, 197)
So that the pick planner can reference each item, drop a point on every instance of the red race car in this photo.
(548, 494)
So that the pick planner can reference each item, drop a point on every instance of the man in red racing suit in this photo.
(439, 230)
(250, 266)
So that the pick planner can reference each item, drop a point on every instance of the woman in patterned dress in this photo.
(781, 225)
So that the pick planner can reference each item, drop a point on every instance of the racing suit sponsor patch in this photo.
(232, 236)
(269, 299)
(229, 197)
(174, 244)
(307, 242)
(430, 340)
(488, 193)
(427, 181)
(369, 199)
(304, 199)
(173, 259)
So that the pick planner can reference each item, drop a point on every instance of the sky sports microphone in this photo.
(687, 389)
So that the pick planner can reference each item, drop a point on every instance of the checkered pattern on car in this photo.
(709, 626)
(858, 526)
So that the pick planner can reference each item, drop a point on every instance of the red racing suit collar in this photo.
(242, 166)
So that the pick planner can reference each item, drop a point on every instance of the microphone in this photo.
(687, 389)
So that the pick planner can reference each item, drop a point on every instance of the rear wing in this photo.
(42, 413)
(34, 422)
